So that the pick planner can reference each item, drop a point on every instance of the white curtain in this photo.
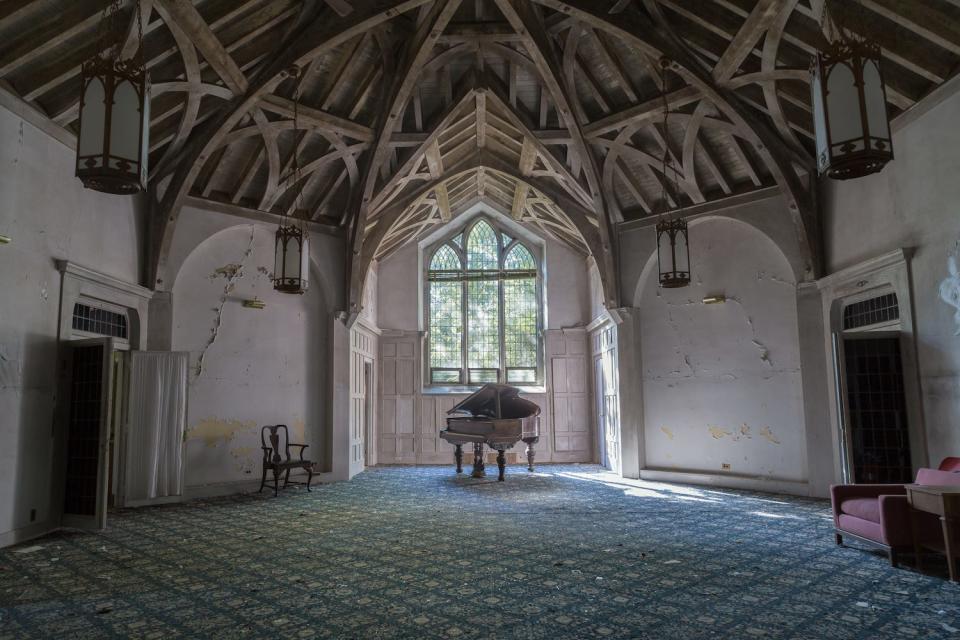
(157, 418)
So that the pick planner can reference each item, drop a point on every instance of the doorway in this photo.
(878, 436)
(367, 425)
(88, 385)
(606, 398)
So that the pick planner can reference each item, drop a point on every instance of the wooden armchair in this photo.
(272, 460)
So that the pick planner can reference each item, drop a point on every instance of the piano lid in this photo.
(499, 401)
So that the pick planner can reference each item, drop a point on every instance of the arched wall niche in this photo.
(721, 382)
(326, 251)
(248, 367)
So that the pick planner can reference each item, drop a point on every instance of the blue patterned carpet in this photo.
(568, 552)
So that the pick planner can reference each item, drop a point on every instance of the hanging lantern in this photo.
(114, 116)
(291, 259)
(673, 250)
(850, 110)
(673, 253)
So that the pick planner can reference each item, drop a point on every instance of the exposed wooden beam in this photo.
(312, 37)
(316, 118)
(189, 19)
(417, 51)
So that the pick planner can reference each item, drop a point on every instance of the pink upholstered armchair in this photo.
(879, 514)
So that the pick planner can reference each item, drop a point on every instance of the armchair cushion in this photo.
(863, 508)
(935, 477)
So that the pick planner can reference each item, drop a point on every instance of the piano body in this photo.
(495, 416)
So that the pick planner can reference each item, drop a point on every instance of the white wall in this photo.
(913, 203)
(49, 215)
(259, 367)
(721, 382)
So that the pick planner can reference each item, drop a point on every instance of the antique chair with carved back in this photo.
(276, 442)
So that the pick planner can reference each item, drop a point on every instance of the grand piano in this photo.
(495, 416)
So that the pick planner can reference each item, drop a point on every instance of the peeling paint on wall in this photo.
(298, 431)
(246, 457)
(227, 271)
(667, 431)
(718, 433)
(762, 275)
(768, 435)
(232, 273)
(213, 430)
(764, 353)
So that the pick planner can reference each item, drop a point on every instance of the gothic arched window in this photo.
(484, 310)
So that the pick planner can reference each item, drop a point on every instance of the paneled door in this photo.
(571, 409)
(607, 397)
(397, 440)
(88, 381)
(600, 411)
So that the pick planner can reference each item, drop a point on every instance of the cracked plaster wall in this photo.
(913, 203)
(721, 382)
(248, 367)
(49, 215)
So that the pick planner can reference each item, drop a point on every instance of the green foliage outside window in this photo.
(483, 310)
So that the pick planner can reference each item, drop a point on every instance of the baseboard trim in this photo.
(729, 481)
(247, 486)
(29, 532)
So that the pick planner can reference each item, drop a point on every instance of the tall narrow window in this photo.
(484, 309)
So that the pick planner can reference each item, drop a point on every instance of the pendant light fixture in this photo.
(850, 118)
(291, 259)
(114, 114)
(673, 249)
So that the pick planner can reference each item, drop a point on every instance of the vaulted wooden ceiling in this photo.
(414, 110)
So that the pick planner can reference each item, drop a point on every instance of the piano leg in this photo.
(479, 471)
(501, 463)
(529, 456)
(458, 457)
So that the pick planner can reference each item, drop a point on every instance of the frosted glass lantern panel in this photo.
(843, 105)
(876, 103)
(291, 267)
(819, 116)
(305, 261)
(125, 123)
(665, 251)
(278, 258)
(682, 253)
(145, 140)
(92, 120)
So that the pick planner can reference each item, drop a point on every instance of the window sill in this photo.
(440, 390)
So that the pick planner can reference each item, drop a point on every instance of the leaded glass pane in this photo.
(445, 376)
(482, 376)
(520, 318)
(483, 248)
(458, 240)
(521, 375)
(445, 259)
(519, 258)
(483, 325)
(446, 325)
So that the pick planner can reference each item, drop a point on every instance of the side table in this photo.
(943, 501)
